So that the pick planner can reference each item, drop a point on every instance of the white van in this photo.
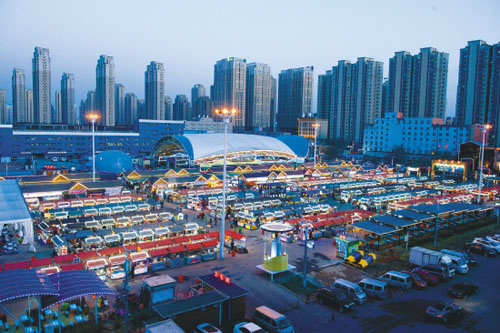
(459, 264)
(271, 320)
(374, 288)
(351, 289)
(397, 279)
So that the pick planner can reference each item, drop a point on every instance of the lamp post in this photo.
(93, 117)
(484, 129)
(315, 126)
(226, 116)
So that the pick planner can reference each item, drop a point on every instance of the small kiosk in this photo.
(345, 245)
(99, 266)
(140, 261)
(117, 267)
(159, 289)
(276, 261)
(158, 259)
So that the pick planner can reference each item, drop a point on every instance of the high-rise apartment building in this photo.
(169, 110)
(3, 107)
(41, 86)
(131, 112)
(181, 108)
(18, 97)
(258, 96)
(385, 96)
(273, 104)
(350, 97)
(68, 99)
(197, 91)
(120, 104)
(58, 117)
(154, 83)
(105, 90)
(29, 106)
(400, 83)
(230, 87)
(494, 100)
(417, 84)
(295, 90)
(200, 103)
(430, 80)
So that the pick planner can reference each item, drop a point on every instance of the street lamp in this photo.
(226, 115)
(93, 117)
(485, 127)
(315, 126)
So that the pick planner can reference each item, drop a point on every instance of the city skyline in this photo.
(447, 26)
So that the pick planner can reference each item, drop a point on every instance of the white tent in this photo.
(14, 210)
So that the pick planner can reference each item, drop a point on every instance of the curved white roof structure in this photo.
(206, 145)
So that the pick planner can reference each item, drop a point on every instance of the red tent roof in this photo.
(213, 234)
(164, 242)
(64, 259)
(110, 251)
(131, 247)
(193, 246)
(147, 245)
(16, 265)
(176, 249)
(182, 239)
(318, 224)
(210, 243)
(41, 262)
(293, 221)
(87, 255)
(196, 237)
(158, 252)
(73, 267)
(234, 235)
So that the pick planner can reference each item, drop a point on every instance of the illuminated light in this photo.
(222, 277)
(234, 111)
(225, 111)
(217, 111)
(228, 280)
(216, 274)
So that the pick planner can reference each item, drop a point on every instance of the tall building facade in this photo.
(181, 108)
(18, 97)
(169, 110)
(400, 83)
(273, 105)
(120, 104)
(417, 83)
(295, 90)
(68, 99)
(154, 90)
(58, 117)
(28, 105)
(385, 96)
(105, 90)
(197, 91)
(430, 80)
(350, 97)
(41, 86)
(131, 114)
(230, 87)
(3, 107)
(494, 100)
(258, 96)
(200, 103)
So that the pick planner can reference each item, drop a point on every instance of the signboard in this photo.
(77, 191)
(5, 160)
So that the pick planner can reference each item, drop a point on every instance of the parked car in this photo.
(207, 328)
(272, 320)
(444, 311)
(462, 289)
(492, 244)
(335, 298)
(417, 281)
(440, 272)
(479, 248)
(428, 277)
(245, 327)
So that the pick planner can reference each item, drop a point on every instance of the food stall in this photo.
(158, 258)
(107, 223)
(176, 256)
(93, 242)
(99, 266)
(193, 253)
(60, 245)
(90, 225)
(117, 267)
(138, 219)
(151, 218)
(165, 217)
(162, 233)
(123, 221)
(112, 240)
(176, 230)
(146, 235)
(210, 248)
(129, 237)
(140, 261)
(191, 228)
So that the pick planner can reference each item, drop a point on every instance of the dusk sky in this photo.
(189, 36)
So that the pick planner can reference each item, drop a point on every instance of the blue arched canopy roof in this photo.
(298, 144)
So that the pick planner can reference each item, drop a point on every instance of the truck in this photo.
(420, 256)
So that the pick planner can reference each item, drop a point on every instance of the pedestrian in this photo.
(232, 245)
(240, 229)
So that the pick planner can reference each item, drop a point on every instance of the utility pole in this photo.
(125, 290)
(436, 228)
(304, 278)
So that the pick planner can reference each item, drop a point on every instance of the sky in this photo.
(189, 36)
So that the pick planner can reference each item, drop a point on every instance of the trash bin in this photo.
(180, 278)
(233, 253)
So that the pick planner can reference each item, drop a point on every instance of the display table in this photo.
(175, 262)
(194, 259)
(272, 273)
(209, 256)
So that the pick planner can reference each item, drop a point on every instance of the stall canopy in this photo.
(394, 221)
(33, 284)
(374, 228)
(73, 285)
(410, 214)
(13, 210)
